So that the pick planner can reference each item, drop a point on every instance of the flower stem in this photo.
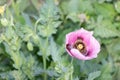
(36, 24)
(71, 77)
(83, 63)
(44, 59)
(44, 65)
(72, 61)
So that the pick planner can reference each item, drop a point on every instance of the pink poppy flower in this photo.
(82, 45)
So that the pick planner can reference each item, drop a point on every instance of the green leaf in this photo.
(48, 21)
(105, 9)
(77, 6)
(18, 60)
(114, 48)
(61, 36)
(6, 76)
(18, 75)
(3, 2)
(105, 30)
(49, 11)
(88, 66)
(117, 72)
(103, 54)
(37, 4)
(25, 32)
(54, 51)
(27, 19)
(95, 22)
(117, 6)
(28, 67)
(94, 75)
(72, 8)
(73, 17)
(67, 6)
(48, 29)
(106, 72)
(20, 6)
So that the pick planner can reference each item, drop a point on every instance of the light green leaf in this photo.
(105, 30)
(28, 67)
(106, 72)
(73, 17)
(114, 49)
(18, 60)
(117, 6)
(18, 75)
(94, 75)
(105, 9)
(49, 11)
(77, 6)
(48, 21)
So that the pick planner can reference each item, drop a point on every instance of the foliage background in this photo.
(32, 39)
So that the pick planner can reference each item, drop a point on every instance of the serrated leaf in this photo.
(6, 75)
(23, 6)
(77, 6)
(105, 30)
(114, 46)
(117, 75)
(49, 11)
(28, 66)
(88, 67)
(46, 31)
(18, 7)
(106, 72)
(10, 33)
(61, 36)
(18, 60)
(56, 24)
(73, 8)
(54, 50)
(105, 9)
(73, 17)
(18, 75)
(114, 49)
(49, 15)
(102, 55)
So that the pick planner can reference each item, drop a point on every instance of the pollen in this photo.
(80, 46)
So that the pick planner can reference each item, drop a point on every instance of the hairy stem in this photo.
(44, 59)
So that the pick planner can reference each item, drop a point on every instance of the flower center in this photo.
(79, 45)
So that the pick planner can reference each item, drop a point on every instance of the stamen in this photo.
(79, 45)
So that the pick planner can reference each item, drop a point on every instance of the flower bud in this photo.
(4, 21)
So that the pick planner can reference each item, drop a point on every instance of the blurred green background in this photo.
(32, 39)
